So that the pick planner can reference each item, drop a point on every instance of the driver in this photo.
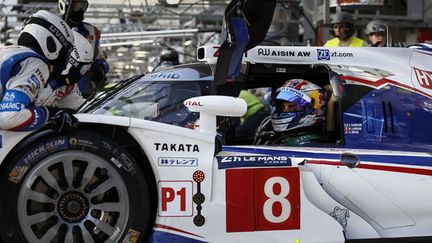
(298, 117)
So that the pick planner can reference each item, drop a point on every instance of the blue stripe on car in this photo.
(384, 158)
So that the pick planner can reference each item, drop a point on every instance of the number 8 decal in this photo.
(276, 198)
(262, 199)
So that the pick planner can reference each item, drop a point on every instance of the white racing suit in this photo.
(25, 90)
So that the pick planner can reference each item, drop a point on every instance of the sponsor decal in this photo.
(298, 93)
(341, 215)
(83, 142)
(132, 236)
(427, 106)
(198, 198)
(173, 147)
(424, 78)
(9, 96)
(39, 74)
(192, 103)
(353, 128)
(11, 106)
(177, 162)
(72, 60)
(175, 199)
(34, 83)
(342, 54)
(282, 53)
(166, 75)
(217, 52)
(325, 54)
(65, 28)
(59, 35)
(225, 162)
(35, 154)
(123, 161)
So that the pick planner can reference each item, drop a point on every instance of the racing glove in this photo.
(61, 119)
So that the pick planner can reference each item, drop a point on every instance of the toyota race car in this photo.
(155, 160)
(142, 164)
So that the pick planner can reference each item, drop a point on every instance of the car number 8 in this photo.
(276, 198)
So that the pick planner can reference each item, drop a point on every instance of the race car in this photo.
(147, 161)
(155, 160)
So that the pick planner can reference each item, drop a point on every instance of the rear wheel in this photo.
(80, 187)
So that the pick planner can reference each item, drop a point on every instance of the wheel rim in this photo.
(73, 196)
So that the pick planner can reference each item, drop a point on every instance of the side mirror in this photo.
(211, 106)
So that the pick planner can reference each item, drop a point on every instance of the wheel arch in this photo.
(119, 135)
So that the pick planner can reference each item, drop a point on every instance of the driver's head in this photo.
(298, 104)
(342, 25)
(72, 11)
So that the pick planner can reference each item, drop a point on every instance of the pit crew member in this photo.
(44, 45)
(343, 29)
(72, 11)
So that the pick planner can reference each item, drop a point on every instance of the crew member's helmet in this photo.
(50, 36)
(344, 18)
(79, 62)
(376, 26)
(73, 10)
(298, 104)
(169, 55)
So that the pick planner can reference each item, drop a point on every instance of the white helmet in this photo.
(50, 36)
(79, 62)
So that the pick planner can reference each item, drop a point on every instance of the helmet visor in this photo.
(79, 6)
(293, 96)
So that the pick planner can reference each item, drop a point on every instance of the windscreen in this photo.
(156, 101)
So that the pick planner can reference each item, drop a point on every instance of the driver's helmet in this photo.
(48, 35)
(79, 62)
(298, 104)
(376, 26)
(73, 10)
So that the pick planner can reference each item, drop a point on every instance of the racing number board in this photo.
(262, 199)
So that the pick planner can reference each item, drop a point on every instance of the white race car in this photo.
(141, 166)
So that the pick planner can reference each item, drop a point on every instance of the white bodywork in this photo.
(307, 196)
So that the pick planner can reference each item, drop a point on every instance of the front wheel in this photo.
(79, 187)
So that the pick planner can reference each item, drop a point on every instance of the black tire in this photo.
(103, 196)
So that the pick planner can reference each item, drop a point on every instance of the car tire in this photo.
(74, 187)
